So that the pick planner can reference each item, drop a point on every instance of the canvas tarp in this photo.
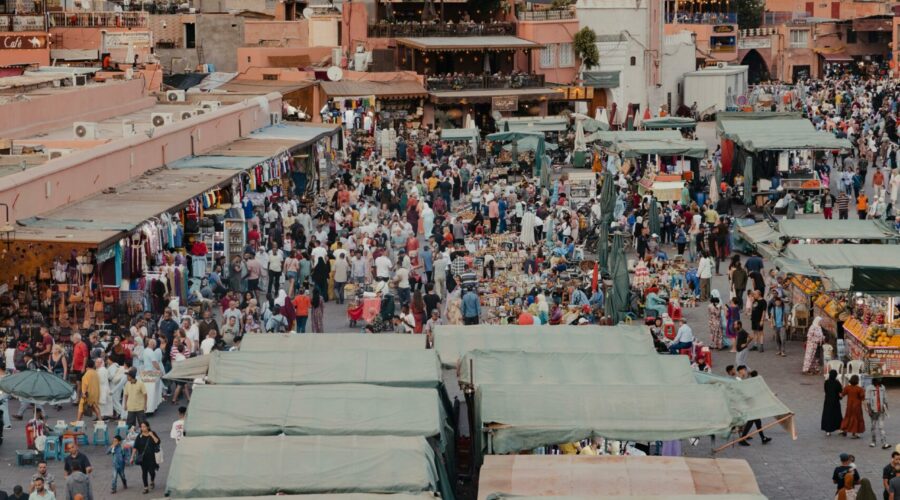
(320, 410)
(544, 124)
(510, 367)
(189, 369)
(626, 476)
(607, 138)
(669, 122)
(761, 232)
(866, 229)
(748, 399)
(523, 417)
(452, 342)
(460, 134)
(674, 147)
(781, 133)
(331, 342)
(876, 281)
(837, 255)
(265, 465)
(342, 496)
(738, 496)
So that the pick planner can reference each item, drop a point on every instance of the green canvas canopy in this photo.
(769, 134)
(391, 368)
(545, 124)
(761, 232)
(748, 399)
(737, 496)
(675, 122)
(838, 255)
(319, 410)
(460, 134)
(338, 496)
(866, 229)
(607, 138)
(523, 417)
(189, 369)
(530, 144)
(266, 465)
(668, 147)
(452, 342)
(331, 342)
(515, 367)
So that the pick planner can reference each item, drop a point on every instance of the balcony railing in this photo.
(99, 19)
(778, 18)
(701, 18)
(14, 22)
(547, 15)
(385, 29)
(471, 82)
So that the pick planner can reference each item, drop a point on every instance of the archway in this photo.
(758, 70)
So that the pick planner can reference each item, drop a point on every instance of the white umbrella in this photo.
(602, 116)
(580, 143)
(713, 191)
(469, 122)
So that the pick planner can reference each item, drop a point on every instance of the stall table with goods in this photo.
(873, 335)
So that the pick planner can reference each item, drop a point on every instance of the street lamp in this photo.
(7, 230)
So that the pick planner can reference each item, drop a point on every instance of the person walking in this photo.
(704, 272)
(853, 422)
(742, 345)
(890, 471)
(146, 445)
(119, 459)
(136, 398)
(777, 315)
(714, 319)
(831, 408)
(814, 338)
(877, 407)
(471, 307)
(843, 205)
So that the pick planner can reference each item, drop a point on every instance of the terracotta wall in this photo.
(174, 27)
(547, 32)
(846, 10)
(79, 175)
(59, 109)
(277, 33)
(258, 57)
(25, 56)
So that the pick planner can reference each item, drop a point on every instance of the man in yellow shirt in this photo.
(862, 205)
(135, 400)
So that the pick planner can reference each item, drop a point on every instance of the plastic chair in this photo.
(855, 367)
(669, 330)
(101, 434)
(67, 441)
(26, 457)
(52, 449)
(837, 365)
(689, 352)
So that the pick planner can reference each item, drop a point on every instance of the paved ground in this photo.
(785, 469)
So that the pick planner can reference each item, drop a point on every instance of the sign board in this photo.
(577, 93)
(20, 42)
(723, 28)
(122, 39)
(757, 42)
(22, 23)
(505, 103)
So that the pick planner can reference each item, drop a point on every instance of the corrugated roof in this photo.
(388, 90)
(243, 86)
(468, 42)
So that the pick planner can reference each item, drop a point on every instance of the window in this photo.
(633, 61)
(799, 39)
(273, 76)
(566, 55)
(547, 53)
(851, 36)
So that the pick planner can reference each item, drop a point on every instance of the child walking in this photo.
(118, 457)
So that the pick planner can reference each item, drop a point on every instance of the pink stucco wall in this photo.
(25, 56)
(546, 32)
(285, 33)
(61, 108)
(81, 174)
(258, 57)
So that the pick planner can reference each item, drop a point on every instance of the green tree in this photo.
(750, 13)
(585, 45)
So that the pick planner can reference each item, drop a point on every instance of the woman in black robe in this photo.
(831, 409)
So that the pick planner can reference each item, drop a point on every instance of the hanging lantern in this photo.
(455, 114)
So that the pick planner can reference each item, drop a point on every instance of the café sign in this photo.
(505, 103)
(19, 42)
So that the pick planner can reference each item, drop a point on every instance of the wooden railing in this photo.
(99, 19)
(385, 29)
(470, 82)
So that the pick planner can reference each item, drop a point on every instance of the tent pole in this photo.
(744, 438)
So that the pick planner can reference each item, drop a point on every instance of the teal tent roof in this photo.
(331, 342)
(609, 137)
(266, 465)
(460, 134)
(668, 147)
(540, 124)
(762, 133)
(675, 122)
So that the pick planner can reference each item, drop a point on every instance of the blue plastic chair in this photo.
(53, 449)
(101, 436)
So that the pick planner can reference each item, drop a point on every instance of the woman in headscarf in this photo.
(287, 309)
(320, 275)
(814, 338)
(714, 310)
(865, 491)
(318, 311)
(427, 220)
(732, 316)
(831, 409)
(853, 422)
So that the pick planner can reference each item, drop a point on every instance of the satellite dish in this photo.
(307, 13)
(335, 74)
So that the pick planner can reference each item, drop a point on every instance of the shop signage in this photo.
(757, 42)
(107, 253)
(505, 103)
(22, 23)
(122, 39)
(16, 42)
(723, 28)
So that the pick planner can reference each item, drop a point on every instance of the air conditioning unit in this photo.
(161, 119)
(175, 96)
(128, 129)
(129, 74)
(80, 80)
(56, 153)
(85, 130)
(210, 105)
(199, 111)
(721, 64)
(187, 115)
(274, 118)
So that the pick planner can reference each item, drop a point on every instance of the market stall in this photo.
(669, 122)
(662, 187)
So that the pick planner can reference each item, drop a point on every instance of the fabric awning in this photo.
(829, 256)
(452, 342)
(579, 476)
(675, 122)
(544, 124)
(460, 134)
(382, 90)
(677, 147)
(761, 232)
(837, 57)
(876, 281)
(601, 79)
(758, 132)
(446, 43)
(331, 342)
(607, 138)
